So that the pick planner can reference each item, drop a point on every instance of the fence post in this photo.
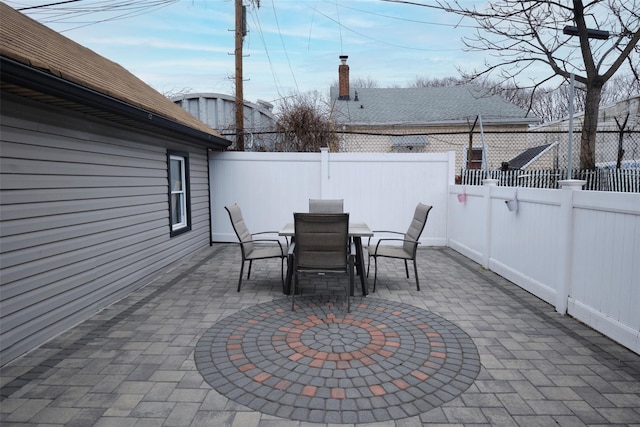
(563, 292)
(324, 172)
(486, 253)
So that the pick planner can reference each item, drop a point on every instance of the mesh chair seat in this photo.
(326, 205)
(321, 245)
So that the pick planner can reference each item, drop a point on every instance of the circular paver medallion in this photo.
(383, 361)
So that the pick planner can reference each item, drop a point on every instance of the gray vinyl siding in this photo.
(84, 218)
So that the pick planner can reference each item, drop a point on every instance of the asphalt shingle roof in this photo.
(426, 106)
(523, 159)
(26, 41)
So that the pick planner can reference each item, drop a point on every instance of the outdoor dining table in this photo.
(357, 230)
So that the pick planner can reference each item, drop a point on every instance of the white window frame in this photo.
(181, 193)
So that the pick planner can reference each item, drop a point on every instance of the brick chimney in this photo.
(343, 79)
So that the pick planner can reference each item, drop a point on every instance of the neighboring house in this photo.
(618, 128)
(103, 183)
(404, 117)
(219, 112)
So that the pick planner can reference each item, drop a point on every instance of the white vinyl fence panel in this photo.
(605, 286)
(525, 244)
(381, 189)
(577, 250)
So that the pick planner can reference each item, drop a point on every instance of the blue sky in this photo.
(291, 46)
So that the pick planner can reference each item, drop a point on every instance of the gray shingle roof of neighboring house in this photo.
(446, 105)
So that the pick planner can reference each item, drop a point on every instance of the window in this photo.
(476, 158)
(179, 207)
(409, 142)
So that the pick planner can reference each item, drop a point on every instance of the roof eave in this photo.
(23, 75)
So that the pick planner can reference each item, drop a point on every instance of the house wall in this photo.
(502, 142)
(576, 250)
(219, 112)
(84, 218)
(610, 120)
(381, 189)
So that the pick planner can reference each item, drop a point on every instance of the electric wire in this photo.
(383, 42)
(276, 80)
(64, 12)
(284, 47)
(339, 26)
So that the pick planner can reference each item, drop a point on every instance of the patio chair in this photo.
(254, 249)
(405, 248)
(320, 246)
(326, 206)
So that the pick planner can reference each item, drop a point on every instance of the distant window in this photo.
(475, 158)
(179, 192)
(409, 142)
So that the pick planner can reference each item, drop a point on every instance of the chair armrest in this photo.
(417, 242)
(264, 232)
(267, 241)
(271, 232)
(383, 231)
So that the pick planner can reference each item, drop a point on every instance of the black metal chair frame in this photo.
(409, 244)
(254, 249)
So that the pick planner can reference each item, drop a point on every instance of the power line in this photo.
(61, 12)
(47, 5)
(378, 40)
(276, 81)
(417, 21)
(284, 47)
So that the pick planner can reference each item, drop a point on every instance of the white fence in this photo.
(577, 250)
(379, 189)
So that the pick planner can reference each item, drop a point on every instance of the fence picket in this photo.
(621, 180)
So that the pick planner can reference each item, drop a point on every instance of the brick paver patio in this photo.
(137, 363)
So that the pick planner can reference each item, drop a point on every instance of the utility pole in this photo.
(239, 91)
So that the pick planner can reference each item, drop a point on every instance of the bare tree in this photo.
(174, 93)
(552, 103)
(365, 82)
(619, 88)
(420, 81)
(304, 121)
(523, 33)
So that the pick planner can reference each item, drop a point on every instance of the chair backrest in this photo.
(326, 205)
(415, 228)
(321, 241)
(240, 227)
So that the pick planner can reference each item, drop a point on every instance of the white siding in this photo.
(84, 218)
